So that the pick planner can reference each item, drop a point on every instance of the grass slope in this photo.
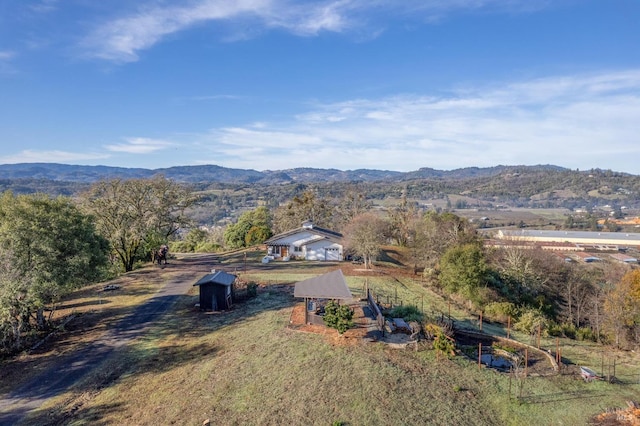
(245, 367)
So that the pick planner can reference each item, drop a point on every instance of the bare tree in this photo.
(403, 220)
(307, 206)
(353, 203)
(622, 308)
(364, 235)
(435, 234)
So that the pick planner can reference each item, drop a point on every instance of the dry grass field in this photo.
(248, 367)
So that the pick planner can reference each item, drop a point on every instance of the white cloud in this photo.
(139, 146)
(44, 6)
(574, 121)
(214, 98)
(6, 62)
(54, 156)
(121, 39)
(6, 55)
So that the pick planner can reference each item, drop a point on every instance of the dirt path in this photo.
(68, 369)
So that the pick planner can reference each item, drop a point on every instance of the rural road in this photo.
(70, 368)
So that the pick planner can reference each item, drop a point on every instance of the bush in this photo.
(562, 330)
(337, 316)
(442, 343)
(408, 313)
(207, 247)
(252, 289)
(530, 320)
(586, 333)
(500, 311)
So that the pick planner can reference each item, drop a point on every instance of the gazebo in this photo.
(331, 285)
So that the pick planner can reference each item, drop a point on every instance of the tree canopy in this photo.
(48, 248)
(303, 207)
(253, 227)
(138, 215)
(464, 270)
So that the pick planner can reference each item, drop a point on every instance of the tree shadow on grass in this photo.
(562, 396)
(82, 367)
(62, 415)
(98, 302)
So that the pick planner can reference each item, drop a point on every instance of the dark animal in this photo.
(160, 255)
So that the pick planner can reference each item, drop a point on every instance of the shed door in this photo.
(214, 302)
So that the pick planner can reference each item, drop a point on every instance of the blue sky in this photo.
(346, 84)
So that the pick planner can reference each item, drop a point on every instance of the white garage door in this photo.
(332, 254)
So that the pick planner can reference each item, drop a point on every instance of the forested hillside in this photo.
(226, 192)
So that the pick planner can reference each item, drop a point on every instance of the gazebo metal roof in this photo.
(331, 285)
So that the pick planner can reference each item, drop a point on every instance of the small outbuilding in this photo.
(331, 285)
(216, 290)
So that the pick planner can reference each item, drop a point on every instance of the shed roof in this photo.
(331, 285)
(217, 277)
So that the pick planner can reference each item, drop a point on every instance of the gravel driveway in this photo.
(70, 368)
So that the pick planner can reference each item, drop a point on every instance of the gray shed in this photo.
(216, 290)
(331, 285)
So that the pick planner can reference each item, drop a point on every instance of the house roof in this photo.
(623, 258)
(331, 285)
(217, 277)
(321, 232)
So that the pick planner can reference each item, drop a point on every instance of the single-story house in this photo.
(216, 290)
(331, 285)
(308, 242)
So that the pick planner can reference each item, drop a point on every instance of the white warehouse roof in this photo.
(584, 237)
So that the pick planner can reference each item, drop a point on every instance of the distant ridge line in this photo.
(215, 173)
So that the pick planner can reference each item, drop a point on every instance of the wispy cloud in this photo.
(6, 55)
(139, 146)
(53, 156)
(44, 6)
(575, 121)
(212, 98)
(6, 62)
(121, 39)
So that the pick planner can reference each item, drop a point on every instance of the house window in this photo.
(297, 248)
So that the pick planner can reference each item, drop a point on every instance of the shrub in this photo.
(337, 316)
(506, 348)
(252, 289)
(585, 333)
(408, 313)
(562, 330)
(555, 330)
(500, 311)
(442, 343)
(530, 320)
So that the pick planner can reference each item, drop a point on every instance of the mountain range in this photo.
(214, 173)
